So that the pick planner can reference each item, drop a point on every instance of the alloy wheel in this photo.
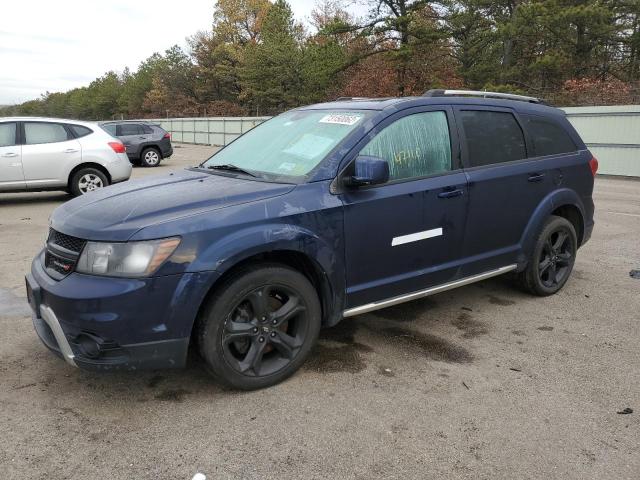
(556, 258)
(89, 183)
(151, 158)
(265, 331)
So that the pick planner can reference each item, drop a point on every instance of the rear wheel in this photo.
(150, 157)
(87, 180)
(260, 327)
(553, 258)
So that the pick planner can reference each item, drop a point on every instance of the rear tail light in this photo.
(118, 147)
(167, 135)
(593, 163)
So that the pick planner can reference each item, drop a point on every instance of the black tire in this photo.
(244, 341)
(553, 257)
(150, 157)
(86, 180)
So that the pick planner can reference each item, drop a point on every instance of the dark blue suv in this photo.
(321, 213)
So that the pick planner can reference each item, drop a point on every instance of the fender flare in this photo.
(229, 251)
(553, 201)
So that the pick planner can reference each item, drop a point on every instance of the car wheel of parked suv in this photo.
(150, 157)
(553, 258)
(87, 180)
(260, 327)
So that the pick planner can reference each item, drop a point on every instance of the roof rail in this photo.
(477, 93)
(348, 99)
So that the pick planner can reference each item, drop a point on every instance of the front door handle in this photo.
(451, 193)
(70, 150)
(535, 177)
(9, 155)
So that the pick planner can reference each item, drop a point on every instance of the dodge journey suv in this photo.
(321, 213)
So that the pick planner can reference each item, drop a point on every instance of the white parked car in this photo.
(56, 154)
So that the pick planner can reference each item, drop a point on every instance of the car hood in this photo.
(117, 212)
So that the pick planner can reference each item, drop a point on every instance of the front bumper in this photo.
(101, 323)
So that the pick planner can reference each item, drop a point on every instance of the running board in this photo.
(369, 307)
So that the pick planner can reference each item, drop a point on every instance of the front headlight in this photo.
(130, 259)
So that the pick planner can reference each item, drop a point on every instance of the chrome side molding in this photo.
(369, 307)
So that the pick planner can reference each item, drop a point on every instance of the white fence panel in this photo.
(611, 133)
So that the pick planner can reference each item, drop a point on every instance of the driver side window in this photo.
(415, 146)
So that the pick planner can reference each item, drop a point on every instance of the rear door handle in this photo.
(451, 193)
(70, 150)
(535, 177)
(9, 155)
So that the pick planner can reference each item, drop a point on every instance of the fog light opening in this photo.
(88, 345)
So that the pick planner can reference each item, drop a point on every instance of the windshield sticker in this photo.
(309, 146)
(287, 167)
(340, 119)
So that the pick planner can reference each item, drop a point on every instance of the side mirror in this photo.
(368, 171)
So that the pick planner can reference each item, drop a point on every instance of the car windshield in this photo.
(289, 145)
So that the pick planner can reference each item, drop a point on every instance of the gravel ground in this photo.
(480, 382)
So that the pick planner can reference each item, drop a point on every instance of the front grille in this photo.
(62, 253)
(67, 242)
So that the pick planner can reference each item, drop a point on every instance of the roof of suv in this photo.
(145, 122)
(47, 119)
(399, 103)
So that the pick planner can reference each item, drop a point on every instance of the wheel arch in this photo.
(79, 167)
(288, 245)
(152, 146)
(564, 203)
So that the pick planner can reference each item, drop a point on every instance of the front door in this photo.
(11, 174)
(405, 235)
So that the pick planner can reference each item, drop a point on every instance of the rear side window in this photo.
(492, 137)
(548, 137)
(111, 129)
(130, 129)
(80, 131)
(37, 132)
(415, 146)
(147, 129)
(7, 134)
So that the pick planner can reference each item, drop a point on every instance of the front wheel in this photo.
(87, 180)
(553, 258)
(260, 327)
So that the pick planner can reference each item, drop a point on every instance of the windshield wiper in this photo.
(231, 168)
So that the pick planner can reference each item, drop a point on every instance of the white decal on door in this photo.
(414, 237)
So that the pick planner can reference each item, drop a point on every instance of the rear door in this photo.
(49, 153)
(132, 135)
(405, 235)
(11, 174)
(505, 186)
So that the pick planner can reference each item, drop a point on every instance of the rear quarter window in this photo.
(548, 137)
(111, 129)
(80, 131)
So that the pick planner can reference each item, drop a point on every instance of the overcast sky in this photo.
(60, 45)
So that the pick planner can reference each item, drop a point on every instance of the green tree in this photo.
(272, 72)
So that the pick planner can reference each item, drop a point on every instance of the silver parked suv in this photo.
(55, 154)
